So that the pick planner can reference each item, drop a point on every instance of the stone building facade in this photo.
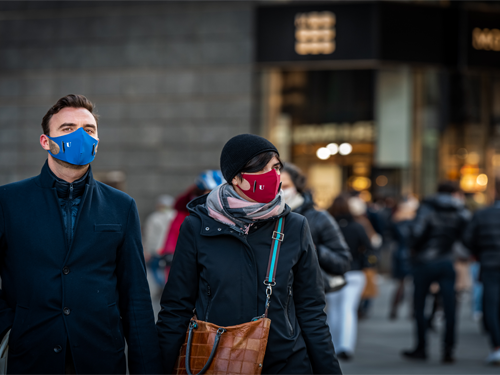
(172, 82)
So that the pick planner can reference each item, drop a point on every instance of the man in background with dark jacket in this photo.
(71, 262)
(482, 237)
(440, 221)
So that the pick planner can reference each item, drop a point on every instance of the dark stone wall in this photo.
(172, 82)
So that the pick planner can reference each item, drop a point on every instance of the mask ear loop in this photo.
(279, 188)
(254, 185)
(64, 148)
(93, 149)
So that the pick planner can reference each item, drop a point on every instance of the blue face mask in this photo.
(76, 148)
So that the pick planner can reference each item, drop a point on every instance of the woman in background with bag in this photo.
(333, 253)
(226, 272)
(344, 303)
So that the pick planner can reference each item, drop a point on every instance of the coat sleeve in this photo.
(369, 254)
(309, 298)
(469, 236)
(135, 301)
(179, 297)
(6, 313)
(420, 227)
(333, 253)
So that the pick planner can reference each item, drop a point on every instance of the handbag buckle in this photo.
(278, 236)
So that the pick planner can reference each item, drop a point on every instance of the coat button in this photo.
(207, 228)
(67, 311)
(65, 270)
(219, 229)
(57, 348)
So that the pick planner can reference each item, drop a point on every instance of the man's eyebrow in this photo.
(66, 124)
(91, 125)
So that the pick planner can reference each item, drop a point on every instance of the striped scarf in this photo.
(227, 207)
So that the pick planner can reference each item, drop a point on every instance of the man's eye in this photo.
(90, 131)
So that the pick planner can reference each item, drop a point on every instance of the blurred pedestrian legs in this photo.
(343, 313)
(477, 292)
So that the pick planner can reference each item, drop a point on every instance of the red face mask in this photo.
(263, 187)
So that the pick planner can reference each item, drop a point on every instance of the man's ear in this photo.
(44, 142)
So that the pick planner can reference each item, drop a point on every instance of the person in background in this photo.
(155, 230)
(343, 305)
(204, 184)
(221, 260)
(358, 209)
(482, 237)
(333, 253)
(440, 221)
(401, 226)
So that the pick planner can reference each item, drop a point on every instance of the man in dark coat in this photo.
(71, 262)
(440, 222)
(482, 237)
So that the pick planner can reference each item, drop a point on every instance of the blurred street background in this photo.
(378, 100)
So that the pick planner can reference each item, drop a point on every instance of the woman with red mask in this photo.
(222, 259)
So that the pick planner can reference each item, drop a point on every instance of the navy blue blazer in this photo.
(91, 294)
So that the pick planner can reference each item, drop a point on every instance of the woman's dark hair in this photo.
(339, 207)
(257, 163)
(297, 177)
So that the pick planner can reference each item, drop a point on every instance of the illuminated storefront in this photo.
(362, 102)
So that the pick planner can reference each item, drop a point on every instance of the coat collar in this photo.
(211, 227)
(307, 205)
(47, 179)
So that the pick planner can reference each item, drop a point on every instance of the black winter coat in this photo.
(482, 236)
(441, 220)
(90, 294)
(221, 272)
(333, 253)
(356, 238)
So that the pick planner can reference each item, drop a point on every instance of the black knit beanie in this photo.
(239, 150)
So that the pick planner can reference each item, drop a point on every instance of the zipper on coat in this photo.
(287, 317)
(209, 294)
(69, 218)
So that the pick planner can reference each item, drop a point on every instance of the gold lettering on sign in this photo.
(361, 131)
(486, 39)
(315, 33)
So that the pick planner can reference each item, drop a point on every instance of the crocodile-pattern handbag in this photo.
(240, 349)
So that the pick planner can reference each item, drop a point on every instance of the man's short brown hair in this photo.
(71, 100)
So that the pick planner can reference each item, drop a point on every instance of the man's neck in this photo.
(67, 174)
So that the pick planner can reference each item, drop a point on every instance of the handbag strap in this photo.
(193, 325)
(270, 281)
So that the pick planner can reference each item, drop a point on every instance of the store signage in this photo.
(483, 40)
(315, 33)
(361, 131)
(318, 32)
(486, 39)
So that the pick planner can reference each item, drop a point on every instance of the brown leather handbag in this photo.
(240, 349)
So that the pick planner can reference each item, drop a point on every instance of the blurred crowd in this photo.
(445, 244)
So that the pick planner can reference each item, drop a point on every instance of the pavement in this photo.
(381, 340)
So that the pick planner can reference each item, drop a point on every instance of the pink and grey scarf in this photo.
(227, 207)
